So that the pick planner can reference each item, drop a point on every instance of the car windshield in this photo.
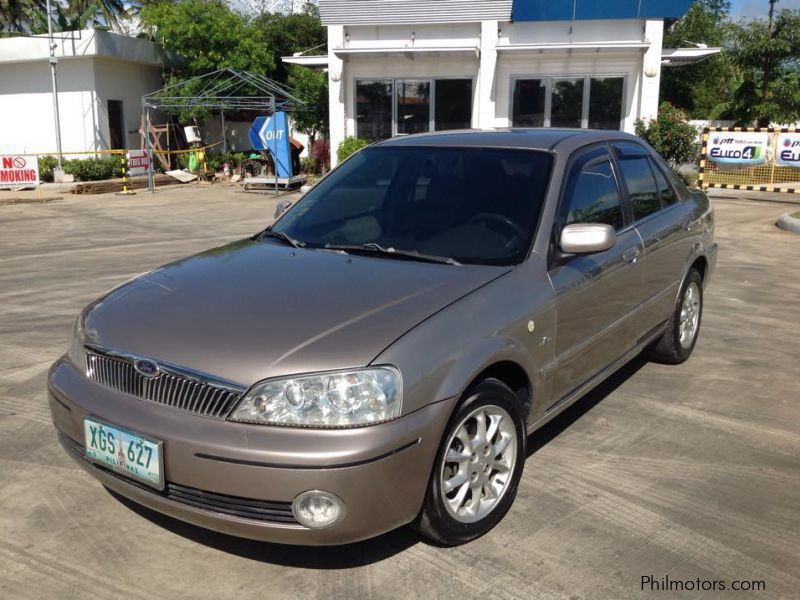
(469, 205)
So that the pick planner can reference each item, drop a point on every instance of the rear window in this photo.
(476, 205)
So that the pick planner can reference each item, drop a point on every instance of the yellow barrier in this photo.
(766, 177)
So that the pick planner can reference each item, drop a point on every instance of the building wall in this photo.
(26, 107)
(119, 80)
(84, 87)
(630, 48)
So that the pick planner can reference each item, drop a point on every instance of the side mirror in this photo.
(587, 238)
(282, 207)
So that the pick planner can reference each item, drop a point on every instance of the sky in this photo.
(759, 8)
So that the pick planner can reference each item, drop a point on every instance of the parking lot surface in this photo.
(690, 472)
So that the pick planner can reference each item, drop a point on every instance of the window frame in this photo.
(587, 89)
(554, 253)
(648, 156)
(395, 98)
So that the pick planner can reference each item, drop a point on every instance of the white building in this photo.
(406, 66)
(102, 77)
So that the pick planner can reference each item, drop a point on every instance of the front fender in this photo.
(443, 355)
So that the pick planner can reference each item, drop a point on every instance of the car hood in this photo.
(252, 310)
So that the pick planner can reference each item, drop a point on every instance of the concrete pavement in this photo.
(691, 471)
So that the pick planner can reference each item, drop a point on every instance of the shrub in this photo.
(320, 151)
(690, 178)
(94, 169)
(214, 162)
(46, 166)
(671, 135)
(350, 145)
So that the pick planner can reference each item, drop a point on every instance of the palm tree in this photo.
(106, 13)
(23, 16)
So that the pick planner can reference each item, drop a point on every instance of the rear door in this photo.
(597, 295)
(662, 221)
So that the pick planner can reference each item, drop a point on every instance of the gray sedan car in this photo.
(379, 356)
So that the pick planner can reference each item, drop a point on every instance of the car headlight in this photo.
(76, 351)
(336, 399)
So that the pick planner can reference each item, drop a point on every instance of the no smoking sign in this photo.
(19, 162)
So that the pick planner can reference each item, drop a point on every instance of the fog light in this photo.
(317, 510)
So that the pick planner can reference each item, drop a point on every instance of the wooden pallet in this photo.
(108, 187)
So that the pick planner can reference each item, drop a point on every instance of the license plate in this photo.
(125, 452)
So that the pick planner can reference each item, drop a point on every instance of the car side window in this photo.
(638, 176)
(592, 195)
(668, 196)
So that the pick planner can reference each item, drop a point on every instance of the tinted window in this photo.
(474, 205)
(529, 102)
(374, 109)
(638, 176)
(453, 104)
(667, 193)
(592, 195)
(567, 103)
(413, 106)
(605, 102)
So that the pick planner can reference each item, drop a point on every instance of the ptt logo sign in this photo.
(738, 148)
(19, 171)
(787, 153)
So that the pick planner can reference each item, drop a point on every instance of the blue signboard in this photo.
(567, 10)
(272, 134)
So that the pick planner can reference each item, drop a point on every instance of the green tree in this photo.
(284, 34)
(670, 135)
(287, 33)
(700, 88)
(768, 58)
(205, 35)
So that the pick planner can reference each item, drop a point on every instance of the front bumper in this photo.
(380, 472)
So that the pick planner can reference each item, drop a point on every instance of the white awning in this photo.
(574, 47)
(408, 51)
(312, 61)
(676, 57)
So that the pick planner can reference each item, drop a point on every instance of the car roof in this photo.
(548, 139)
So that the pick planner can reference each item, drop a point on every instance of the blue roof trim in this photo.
(567, 10)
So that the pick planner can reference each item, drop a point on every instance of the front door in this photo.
(597, 295)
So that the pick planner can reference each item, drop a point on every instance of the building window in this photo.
(529, 102)
(605, 102)
(583, 101)
(387, 107)
(116, 127)
(566, 108)
(453, 103)
(374, 109)
(413, 106)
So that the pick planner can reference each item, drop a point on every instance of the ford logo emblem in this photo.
(146, 368)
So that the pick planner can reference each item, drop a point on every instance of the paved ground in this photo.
(690, 471)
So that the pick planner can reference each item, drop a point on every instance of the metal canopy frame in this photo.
(223, 89)
(226, 89)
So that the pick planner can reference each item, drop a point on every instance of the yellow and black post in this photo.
(123, 158)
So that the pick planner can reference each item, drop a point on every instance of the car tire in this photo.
(491, 465)
(683, 328)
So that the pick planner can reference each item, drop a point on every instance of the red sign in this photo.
(19, 171)
(137, 162)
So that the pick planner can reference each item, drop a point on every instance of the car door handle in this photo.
(630, 255)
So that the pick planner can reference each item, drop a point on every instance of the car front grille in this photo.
(170, 386)
(268, 511)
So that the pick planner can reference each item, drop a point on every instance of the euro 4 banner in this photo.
(738, 147)
(787, 152)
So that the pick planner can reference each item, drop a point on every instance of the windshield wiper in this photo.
(373, 248)
(279, 235)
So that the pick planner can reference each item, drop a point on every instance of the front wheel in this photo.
(477, 468)
(680, 336)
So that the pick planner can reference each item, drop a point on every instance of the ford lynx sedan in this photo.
(378, 356)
